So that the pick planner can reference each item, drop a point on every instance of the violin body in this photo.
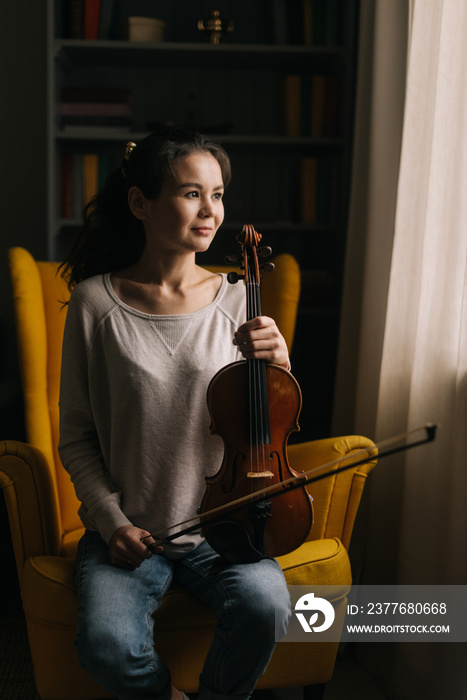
(270, 528)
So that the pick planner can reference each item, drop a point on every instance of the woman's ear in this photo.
(137, 202)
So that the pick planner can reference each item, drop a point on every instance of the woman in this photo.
(146, 330)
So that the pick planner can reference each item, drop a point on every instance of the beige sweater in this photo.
(134, 423)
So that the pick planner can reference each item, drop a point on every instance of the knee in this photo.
(121, 665)
(275, 609)
(102, 650)
(267, 607)
(99, 651)
(282, 610)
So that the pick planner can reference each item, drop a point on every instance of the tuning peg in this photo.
(267, 267)
(265, 251)
(233, 277)
(232, 259)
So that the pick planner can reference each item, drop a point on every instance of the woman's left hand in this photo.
(260, 339)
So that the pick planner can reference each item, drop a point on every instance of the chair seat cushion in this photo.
(184, 625)
(316, 562)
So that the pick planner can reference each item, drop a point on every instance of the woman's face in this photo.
(189, 210)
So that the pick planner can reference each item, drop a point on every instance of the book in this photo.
(332, 107)
(94, 94)
(81, 177)
(321, 22)
(318, 106)
(309, 190)
(90, 121)
(308, 22)
(294, 21)
(105, 167)
(326, 191)
(95, 107)
(292, 105)
(91, 19)
(74, 19)
(106, 19)
(280, 25)
(66, 181)
(90, 176)
(332, 28)
(77, 186)
(318, 190)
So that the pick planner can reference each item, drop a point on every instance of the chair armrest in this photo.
(31, 500)
(335, 499)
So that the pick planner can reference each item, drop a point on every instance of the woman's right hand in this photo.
(127, 548)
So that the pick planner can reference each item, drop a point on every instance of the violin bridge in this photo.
(259, 475)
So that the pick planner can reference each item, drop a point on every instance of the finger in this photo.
(258, 350)
(261, 348)
(123, 556)
(151, 544)
(143, 548)
(157, 549)
(132, 560)
(257, 322)
(129, 564)
(129, 554)
(122, 561)
(136, 558)
(261, 327)
(264, 335)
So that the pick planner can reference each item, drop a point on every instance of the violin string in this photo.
(262, 392)
(257, 380)
(252, 387)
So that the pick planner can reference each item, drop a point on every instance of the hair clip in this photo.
(129, 147)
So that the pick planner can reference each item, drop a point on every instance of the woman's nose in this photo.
(206, 209)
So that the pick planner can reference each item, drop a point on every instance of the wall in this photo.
(23, 189)
(23, 64)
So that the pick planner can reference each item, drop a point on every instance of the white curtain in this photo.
(403, 347)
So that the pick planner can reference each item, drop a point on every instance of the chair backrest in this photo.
(39, 293)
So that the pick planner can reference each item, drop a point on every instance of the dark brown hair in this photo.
(112, 238)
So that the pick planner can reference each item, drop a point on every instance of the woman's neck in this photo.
(179, 288)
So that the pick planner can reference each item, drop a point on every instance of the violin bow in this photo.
(418, 436)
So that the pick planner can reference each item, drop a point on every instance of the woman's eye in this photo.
(218, 195)
(192, 195)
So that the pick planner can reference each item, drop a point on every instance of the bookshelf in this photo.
(277, 97)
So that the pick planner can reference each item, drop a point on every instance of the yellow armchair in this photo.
(45, 528)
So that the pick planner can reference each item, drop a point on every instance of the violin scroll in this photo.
(248, 258)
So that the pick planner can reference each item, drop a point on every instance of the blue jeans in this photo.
(115, 625)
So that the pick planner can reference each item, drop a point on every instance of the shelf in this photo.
(248, 97)
(183, 55)
(107, 134)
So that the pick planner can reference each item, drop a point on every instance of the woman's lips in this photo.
(203, 230)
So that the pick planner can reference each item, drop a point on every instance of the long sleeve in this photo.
(79, 446)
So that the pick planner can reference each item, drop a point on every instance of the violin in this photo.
(257, 506)
(254, 407)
